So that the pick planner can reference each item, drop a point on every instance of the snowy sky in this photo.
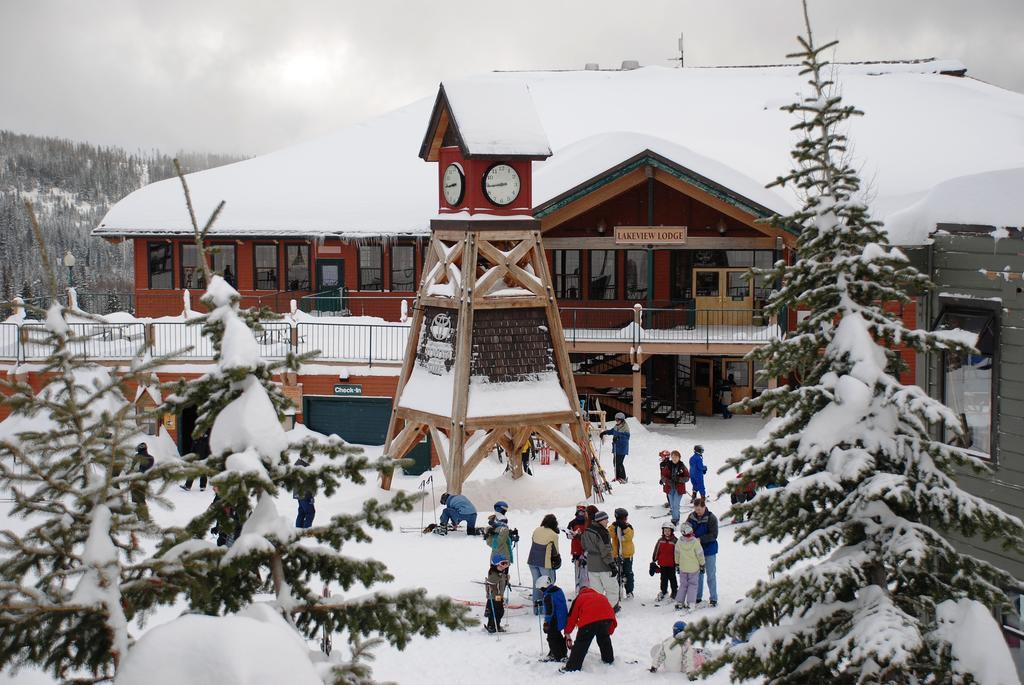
(249, 76)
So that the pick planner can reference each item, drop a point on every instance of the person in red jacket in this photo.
(593, 614)
(664, 561)
(575, 532)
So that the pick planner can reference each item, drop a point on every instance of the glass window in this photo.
(296, 258)
(161, 266)
(222, 258)
(679, 285)
(734, 258)
(567, 274)
(265, 267)
(707, 284)
(636, 274)
(967, 380)
(146, 418)
(737, 285)
(602, 274)
(740, 372)
(403, 267)
(191, 275)
(371, 273)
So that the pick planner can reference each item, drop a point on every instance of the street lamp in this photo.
(69, 262)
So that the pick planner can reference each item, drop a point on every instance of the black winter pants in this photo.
(556, 641)
(494, 611)
(628, 579)
(620, 466)
(669, 577)
(586, 635)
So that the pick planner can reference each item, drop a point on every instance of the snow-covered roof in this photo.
(495, 118)
(993, 198)
(920, 128)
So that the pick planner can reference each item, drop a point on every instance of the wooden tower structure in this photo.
(486, 363)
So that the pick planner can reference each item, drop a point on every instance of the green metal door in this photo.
(330, 282)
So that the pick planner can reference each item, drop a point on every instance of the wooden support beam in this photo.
(443, 448)
(482, 450)
(463, 354)
(599, 196)
(520, 419)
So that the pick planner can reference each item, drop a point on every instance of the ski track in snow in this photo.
(449, 565)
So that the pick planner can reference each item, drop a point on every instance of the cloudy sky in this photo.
(249, 76)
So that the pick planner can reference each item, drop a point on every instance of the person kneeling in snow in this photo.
(457, 508)
(555, 615)
(495, 584)
(593, 613)
(677, 654)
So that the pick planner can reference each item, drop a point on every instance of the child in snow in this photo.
(495, 585)
(664, 560)
(498, 537)
(575, 532)
(556, 612)
(621, 533)
(677, 654)
(741, 493)
(664, 455)
(689, 557)
(594, 616)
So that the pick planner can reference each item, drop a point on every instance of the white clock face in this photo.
(501, 184)
(454, 184)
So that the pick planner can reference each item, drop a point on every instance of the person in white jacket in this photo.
(676, 655)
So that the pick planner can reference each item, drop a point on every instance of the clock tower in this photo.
(486, 363)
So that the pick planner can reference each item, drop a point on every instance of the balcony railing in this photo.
(369, 342)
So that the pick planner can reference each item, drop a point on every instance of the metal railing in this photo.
(638, 325)
(340, 303)
(353, 342)
(89, 340)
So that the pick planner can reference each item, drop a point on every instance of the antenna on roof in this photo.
(682, 56)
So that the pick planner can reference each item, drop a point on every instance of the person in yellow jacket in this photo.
(543, 559)
(621, 533)
(690, 562)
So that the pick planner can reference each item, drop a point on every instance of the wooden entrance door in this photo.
(703, 386)
(725, 295)
(330, 283)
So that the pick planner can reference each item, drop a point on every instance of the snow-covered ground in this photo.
(450, 565)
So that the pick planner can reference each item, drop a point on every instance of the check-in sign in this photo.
(650, 235)
(348, 389)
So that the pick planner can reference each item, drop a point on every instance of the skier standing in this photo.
(495, 585)
(556, 613)
(600, 565)
(697, 471)
(595, 617)
(621, 533)
(705, 527)
(579, 557)
(664, 455)
(542, 556)
(689, 559)
(674, 475)
(620, 445)
(663, 561)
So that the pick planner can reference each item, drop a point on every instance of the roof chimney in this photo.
(592, 66)
(630, 64)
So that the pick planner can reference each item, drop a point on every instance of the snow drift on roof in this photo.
(496, 118)
(994, 198)
(921, 128)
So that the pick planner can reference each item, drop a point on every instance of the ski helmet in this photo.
(543, 582)
(678, 627)
(667, 526)
(621, 513)
(581, 505)
(685, 528)
(501, 506)
(498, 558)
(619, 416)
(699, 449)
(663, 453)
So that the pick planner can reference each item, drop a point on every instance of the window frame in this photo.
(256, 268)
(412, 265)
(614, 289)
(150, 244)
(625, 276)
(181, 268)
(288, 266)
(560, 277)
(971, 307)
(359, 265)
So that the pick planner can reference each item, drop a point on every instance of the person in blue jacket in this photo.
(620, 445)
(457, 508)
(556, 612)
(697, 471)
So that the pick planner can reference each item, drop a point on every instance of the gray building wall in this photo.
(966, 263)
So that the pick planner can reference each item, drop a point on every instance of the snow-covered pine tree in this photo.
(253, 460)
(868, 493)
(74, 573)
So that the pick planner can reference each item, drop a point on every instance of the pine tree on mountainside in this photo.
(868, 494)
(252, 460)
(76, 574)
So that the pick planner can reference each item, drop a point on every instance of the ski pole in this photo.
(423, 484)
(515, 548)
(433, 500)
